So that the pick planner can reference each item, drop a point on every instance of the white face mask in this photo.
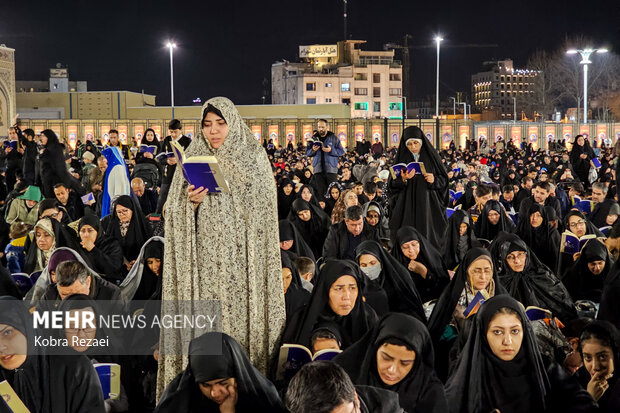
(372, 272)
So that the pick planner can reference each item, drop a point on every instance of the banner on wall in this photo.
(446, 136)
(429, 132)
(515, 136)
(138, 132)
(72, 135)
(585, 131)
(567, 135)
(38, 128)
(532, 136)
(189, 130)
(550, 133)
(157, 129)
(359, 132)
(290, 134)
(498, 133)
(483, 134)
(89, 133)
(341, 132)
(273, 134)
(463, 135)
(122, 134)
(103, 133)
(394, 135)
(616, 133)
(257, 131)
(307, 132)
(601, 135)
(377, 132)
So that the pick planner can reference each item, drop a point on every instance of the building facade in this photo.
(370, 82)
(500, 86)
(7, 88)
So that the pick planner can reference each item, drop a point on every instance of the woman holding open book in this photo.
(224, 246)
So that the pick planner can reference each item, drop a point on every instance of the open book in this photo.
(418, 167)
(148, 148)
(571, 243)
(584, 205)
(201, 171)
(450, 211)
(605, 230)
(88, 199)
(595, 162)
(455, 196)
(473, 307)
(317, 143)
(10, 144)
(536, 313)
(110, 379)
(294, 356)
(10, 400)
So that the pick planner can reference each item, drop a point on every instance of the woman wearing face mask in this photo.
(458, 239)
(599, 346)
(528, 280)
(501, 368)
(542, 239)
(492, 220)
(419, 200)
(424, 262)
(219, 378)
(586, 278)
(397, 355)
(447, 322)
(388, 287)
(336, 298)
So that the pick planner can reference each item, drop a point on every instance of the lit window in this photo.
(310, 101)
(361, 106)
(328, 85)
(345, 87)
(311, 87)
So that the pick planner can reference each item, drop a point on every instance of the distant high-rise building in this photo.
(369, 81)
(498, 84)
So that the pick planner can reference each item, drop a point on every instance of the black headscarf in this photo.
(451, 251)
(579, 280)
(313, 231)
(417, 203)
(565, 260)
(483, 382)
(581, 166)
(289, 232)
(536, 285)
(218, 356)
(150, 283)
(437, 277)
(296, 295)
(285, 201)
(544, 240)
(484, 229)
(139, 230)
(400, 291)
(420, 390)
(352, 326)
(444, 309)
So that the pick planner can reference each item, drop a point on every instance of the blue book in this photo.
(23, 282)
(88, 199)
(294, 356)
(201, 171)
(473, 307)
(536, 313)
(571, 244)
(595, 162)
(584, 205)
(455, 196)
(10, 144)
(418, 167)
(148, 148)
(605, 230)
(456, 170)
(110, 379)
(450, 211)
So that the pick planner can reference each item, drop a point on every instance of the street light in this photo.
(438, 40)
(585, 61)
(171, 46)
(514, 116)
(464, 111)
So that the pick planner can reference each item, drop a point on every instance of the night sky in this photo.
(227, 47)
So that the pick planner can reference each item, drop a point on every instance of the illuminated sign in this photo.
(319, 50)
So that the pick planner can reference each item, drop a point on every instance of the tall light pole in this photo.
(438, 40)
(464, 110)
(171, 46)
(514, 116)
(585, 61)
(455, 133)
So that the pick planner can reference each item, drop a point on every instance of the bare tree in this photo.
(542, 97)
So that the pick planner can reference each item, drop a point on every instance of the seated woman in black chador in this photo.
(492, 220)
(528, 280)
(501, 368)
(397, 355)
(586, 278)
(45, 383)
(292, 242)
(578, 224)
(447, 322)
(388, 286)
(423, 261)
(312, 224)
(458, 239)
(219, 378)
(104, 253)
(543, 239)
(336, 298)
(599, 346)
(295, 295)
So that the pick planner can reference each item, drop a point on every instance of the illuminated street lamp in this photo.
(171, 46)
(438, 40)
(585, 61)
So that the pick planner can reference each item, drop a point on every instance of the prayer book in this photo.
(584, 205)
(10, 399)
(317, 143)
(456, 170)
(10, 144)
(110, 379)
(572, 244)
(473, 307)
(536, 313)
(455, 196)
(294, 356)
(201, 171)
(595, 162)
(418, 167)
(148, 148)
(164, 155)
(23, 281)
(88, 199)
(450, 211)
(605, 230)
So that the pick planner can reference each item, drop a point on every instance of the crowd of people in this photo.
(459, 280)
